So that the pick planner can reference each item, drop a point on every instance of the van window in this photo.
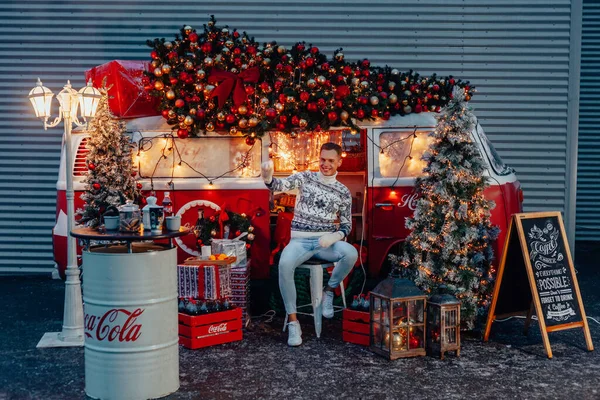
(400, 153)
(492, 155)
(227, 157)
(301, 152)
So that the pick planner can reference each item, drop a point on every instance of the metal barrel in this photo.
(130, 307)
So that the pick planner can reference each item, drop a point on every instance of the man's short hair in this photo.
(332, 146)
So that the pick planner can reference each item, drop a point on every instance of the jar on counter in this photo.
(129, 217)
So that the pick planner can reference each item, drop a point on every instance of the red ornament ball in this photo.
(165, 114)
(138, 185)
(193, 37)
(92, 166)
(310, 62)
(179, 103)
(271, 113)
(247, 246)
(182, 133)
(304, 96)
(360, 113)
(332, 116)
(230, 118)
(365, 63)
(212, 218)
(96, 186)
(250, 141)
(295, 120)
(206, 47)
(314, 50)
(312, 107)
(238, 233)
(154, 54)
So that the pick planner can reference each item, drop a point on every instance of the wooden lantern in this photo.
(443, 325)
(397, 327)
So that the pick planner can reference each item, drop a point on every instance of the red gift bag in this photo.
(127, 98)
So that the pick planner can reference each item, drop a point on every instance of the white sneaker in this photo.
(294, 333)
(327, 303)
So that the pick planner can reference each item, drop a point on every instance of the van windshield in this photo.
(227, 157)
(400, 153)
(492, 155)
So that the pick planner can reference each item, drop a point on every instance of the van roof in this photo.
(159, 124)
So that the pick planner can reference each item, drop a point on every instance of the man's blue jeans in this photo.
(300, 250)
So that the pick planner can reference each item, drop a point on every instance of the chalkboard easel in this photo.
(536, 273)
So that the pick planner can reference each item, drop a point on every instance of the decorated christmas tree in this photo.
(451, 233)
(110, 178)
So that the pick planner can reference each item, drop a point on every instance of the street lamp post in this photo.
(70, 100)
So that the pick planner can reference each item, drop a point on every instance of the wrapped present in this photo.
(231, 247)
(207, 282)
(127, 98)
(240, 289)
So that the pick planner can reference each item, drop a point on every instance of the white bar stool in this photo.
(316, 267)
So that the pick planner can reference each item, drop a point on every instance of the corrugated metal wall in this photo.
(515, 52)
(588, 179)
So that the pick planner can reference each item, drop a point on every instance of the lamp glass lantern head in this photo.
(397, 327)
(68, 99)
(41, 100)
(89, 97)
(443, 325)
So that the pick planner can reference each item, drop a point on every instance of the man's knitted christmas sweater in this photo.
(323, 204)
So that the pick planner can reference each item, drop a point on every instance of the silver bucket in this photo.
(131, 336)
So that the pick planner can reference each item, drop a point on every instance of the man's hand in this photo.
(330, 238)
(266, 171)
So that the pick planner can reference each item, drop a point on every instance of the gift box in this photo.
(206, 281)
(240, 289)
(231, 247)
(127, 97)
(355, 327)
(210, 329)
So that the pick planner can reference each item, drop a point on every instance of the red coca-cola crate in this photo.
(197, 331)
(355, 327)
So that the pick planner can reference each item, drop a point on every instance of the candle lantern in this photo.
(443, 325)
(397, 327)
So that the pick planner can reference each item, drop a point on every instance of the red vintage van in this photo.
(382, 182)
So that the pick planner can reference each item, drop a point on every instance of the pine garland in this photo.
(110, 178)
(451, 233)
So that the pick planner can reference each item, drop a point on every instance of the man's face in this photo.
(329, 162)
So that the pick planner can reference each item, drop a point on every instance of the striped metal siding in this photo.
(588, 178)
(515, 52)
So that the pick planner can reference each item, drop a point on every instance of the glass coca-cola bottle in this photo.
(167, 205)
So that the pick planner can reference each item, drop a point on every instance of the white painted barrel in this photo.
(131, 337)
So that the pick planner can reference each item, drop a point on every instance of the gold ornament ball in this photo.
(302, 123)
(364, 85)
(243, 123)
(166, 68)
(234, 70)
(407, 93)
(225, 31)
(213, 233)
(397, 341)
(374, 100)
(332, 70)
(172, 114)
(158, 85)
(355, 81)
(392, 85)
(268, 51)
(405, 102)
(250, 229)
(210, 127)
(252, 122)
(188, 120)
(339, 56)
(281, 49)
(168, 45)
(250, 236)
(233, 130)
(193, 111)
(155, 63)
(393, 99)
(407, 109)
(395, 71)
(158, 72)
(221, 116)
(208, 61)
(189, 65)
(211, 105)
(244, 67)
(266, 62)
(187, 29)
(180, 117)
(208, 89)
(211, 23)
(243, 215)
(170, 95)
(344, 116)
(218, 58)
(293, 135)
(182, 125)
(264, 101)
(199, 87)
(321, 80)
(224, 50)
(311, 83)
(229, 44)
(193, 45)
(290, 99)
(279, 107)
(242, 110)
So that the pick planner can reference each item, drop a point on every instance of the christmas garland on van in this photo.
(222, 80)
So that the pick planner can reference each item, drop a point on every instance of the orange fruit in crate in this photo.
(212, 257)
(222, 257)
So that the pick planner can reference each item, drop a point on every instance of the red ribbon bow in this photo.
(229, 82)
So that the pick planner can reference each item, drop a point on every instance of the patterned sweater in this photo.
(322, 202)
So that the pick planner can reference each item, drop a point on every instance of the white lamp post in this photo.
(86, 100)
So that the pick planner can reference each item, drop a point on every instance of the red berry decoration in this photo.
(92, 166)
(182, 133)
(96, 186)
(250, 141)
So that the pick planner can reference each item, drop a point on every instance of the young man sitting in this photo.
(321, 202)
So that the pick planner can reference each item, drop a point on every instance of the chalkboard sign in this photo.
(536, 274)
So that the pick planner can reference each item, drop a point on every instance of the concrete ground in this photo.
(263, 366)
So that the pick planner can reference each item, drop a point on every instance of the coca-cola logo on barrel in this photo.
(116, 324)
(218, 328)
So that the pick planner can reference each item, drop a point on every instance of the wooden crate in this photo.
(206, 330)
(355, 327)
